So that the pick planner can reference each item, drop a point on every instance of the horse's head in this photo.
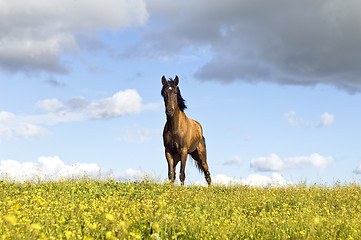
(172, 97)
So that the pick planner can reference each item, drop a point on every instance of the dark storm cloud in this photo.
(285, 42)
(35, 35)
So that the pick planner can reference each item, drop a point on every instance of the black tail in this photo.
(198, 163)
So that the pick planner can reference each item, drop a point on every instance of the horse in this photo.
(181, 135)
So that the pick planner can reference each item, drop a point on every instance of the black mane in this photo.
(181, 102)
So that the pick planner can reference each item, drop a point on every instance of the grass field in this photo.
(96, 209)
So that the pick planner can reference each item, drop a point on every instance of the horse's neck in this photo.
(175, 121)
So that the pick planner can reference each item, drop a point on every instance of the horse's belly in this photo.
(193, 146)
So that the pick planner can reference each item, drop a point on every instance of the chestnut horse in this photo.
(181, 135)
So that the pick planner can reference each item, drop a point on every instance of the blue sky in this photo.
(275, 84)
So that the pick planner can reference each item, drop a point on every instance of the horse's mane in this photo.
(181, 102)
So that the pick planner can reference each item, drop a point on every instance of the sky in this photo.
(276, 86)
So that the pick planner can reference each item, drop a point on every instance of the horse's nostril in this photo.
(169, 112)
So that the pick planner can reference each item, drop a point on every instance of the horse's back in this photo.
(198, 127)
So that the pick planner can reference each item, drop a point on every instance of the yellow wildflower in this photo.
(110, 217)
(35, 226)
(11, 219)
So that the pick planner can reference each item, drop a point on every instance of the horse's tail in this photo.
(198, 165)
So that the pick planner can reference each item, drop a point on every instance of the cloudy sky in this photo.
(276, 86)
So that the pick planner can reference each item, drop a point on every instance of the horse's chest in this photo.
(173, 142)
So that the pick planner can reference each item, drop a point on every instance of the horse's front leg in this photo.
(171, 166)
(183, 159)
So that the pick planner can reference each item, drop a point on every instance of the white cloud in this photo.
(275, 163)
(5, 133)
(76, 109)
(30, 130)
(234, 161)
(51, 105)
(11, 127)
(35, 34)
(326, 120)
(122, 103)
(296, 121)
(290, 117)
(5, 116)
(47, 168)
(254, 180)
(138, 135)
(271, 163)
(5, 129)
(53, 168)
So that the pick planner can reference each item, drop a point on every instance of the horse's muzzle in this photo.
(169, 112)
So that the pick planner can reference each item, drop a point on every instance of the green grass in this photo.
(95, 209)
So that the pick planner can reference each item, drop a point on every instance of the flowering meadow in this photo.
(106, 209)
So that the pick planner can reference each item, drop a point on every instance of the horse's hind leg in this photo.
(207, 174)
(200, 155)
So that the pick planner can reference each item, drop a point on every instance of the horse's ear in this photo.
(164, 80)
(176, 80)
